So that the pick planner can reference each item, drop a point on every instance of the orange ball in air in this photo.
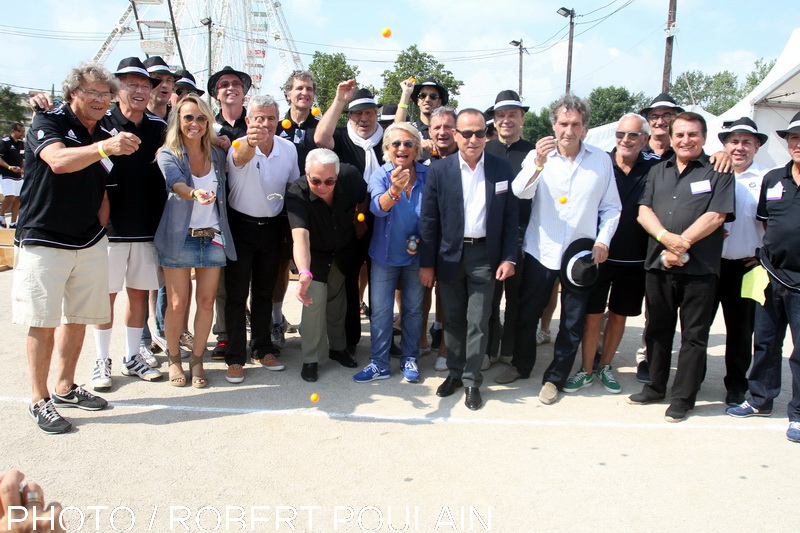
(236, 144)
(360, 217)
(315, 111)
(562, 200)
(413, 80)
(314, 397)
(286, 123)
(386, 32)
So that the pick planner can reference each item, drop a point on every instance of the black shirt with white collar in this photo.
(60, 210)
(12, 153)
(136, 188)
(779, 207)
(233, 131)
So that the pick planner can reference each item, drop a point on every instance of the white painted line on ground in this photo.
(311, 411)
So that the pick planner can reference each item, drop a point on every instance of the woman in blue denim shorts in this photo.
(193, 232)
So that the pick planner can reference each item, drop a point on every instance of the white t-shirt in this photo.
(205, 216)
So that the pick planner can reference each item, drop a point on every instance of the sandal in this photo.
(176, 380)
(198, 382)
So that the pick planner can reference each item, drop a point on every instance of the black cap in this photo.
(578, 269)
(212, 81)
(794, 127)
(430, 82)
(662, 100)
(132, 65)
(744, 125)
(507, 99)
(362, 99)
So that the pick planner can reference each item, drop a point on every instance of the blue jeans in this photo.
(781, 309)
(382, 283)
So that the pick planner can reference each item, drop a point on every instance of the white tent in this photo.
(772, 104)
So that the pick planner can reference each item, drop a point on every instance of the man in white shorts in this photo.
(136, 195)
(12, 149)
(61, 266)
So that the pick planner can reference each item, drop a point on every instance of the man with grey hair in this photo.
(259, 172)
(61, 231)
(322, 212)
(571, 185)
(621, 278)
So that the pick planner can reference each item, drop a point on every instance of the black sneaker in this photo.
(436, 338)
(47, 418)
(676, 414)
(643, 372)
(80, 398)
(641, 398)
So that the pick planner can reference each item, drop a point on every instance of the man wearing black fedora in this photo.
(185, 84)
(228, 87)
(683, 206)
(427, 95)
(741, 140)
(660, 114)
(572, 187)
(161, 96)
(779, 210)
(508, 114)
(359, 144)
(136, 195)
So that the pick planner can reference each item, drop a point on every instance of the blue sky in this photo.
(626, 49)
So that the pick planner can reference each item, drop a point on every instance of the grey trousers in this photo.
(467, 303)
(322, 322)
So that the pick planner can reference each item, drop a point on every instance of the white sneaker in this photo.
(101, 377)
(137, 367)
(542, 337)
(487, 362)
(187, 340)
(441, 364)
(148, 356)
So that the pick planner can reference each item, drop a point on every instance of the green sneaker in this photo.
(608, 380)
(580, 380)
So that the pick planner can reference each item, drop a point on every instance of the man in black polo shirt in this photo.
(322, 211)
(11, 149)
(61, 270)
(622, 275)
(509, 117)
(779, 209)
(136, 196)
(683, 206)
(358, 144)
(228, 87)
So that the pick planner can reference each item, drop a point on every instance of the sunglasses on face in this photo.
(633, 135)
(407, 144)
(653, 117)
(180, 91)
(432, 96)
(480, 134)
(226, 84)
(329, 182)
(200, 119)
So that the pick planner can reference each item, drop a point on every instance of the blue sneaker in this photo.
(371, 372)
(793, 433)
(745, 410)
(410, 370)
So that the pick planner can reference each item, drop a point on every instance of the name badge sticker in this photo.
(776, 192)
(700, 187)
(501, 187)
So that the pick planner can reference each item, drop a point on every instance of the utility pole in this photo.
(521, 49)
(670, 31)
(570, 14)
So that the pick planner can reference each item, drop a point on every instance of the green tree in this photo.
(607, 104)
(11, 108)
(537, 125)
(716, 93)
(760, 70)
(329, 71)
(420, 65)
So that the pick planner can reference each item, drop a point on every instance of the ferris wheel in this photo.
(202, 36)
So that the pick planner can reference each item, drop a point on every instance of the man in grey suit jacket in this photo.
(468, 228)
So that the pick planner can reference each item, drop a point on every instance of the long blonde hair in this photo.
(174, 140)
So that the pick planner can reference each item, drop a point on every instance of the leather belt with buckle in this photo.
(474, 240)
(202, 232)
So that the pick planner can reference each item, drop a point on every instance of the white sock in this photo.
(133, 337)
(277, 312)
(102, 341)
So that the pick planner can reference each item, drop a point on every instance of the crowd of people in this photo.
(156, 190)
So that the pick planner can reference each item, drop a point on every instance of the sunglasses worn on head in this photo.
(407, 144)
(432, 96)
(633, 135)
(200, 119)
(480, 134)
(330, 182)
(226, 84)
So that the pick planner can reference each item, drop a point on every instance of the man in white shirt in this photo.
(741, 140)
(572, 186)
(260, 169)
